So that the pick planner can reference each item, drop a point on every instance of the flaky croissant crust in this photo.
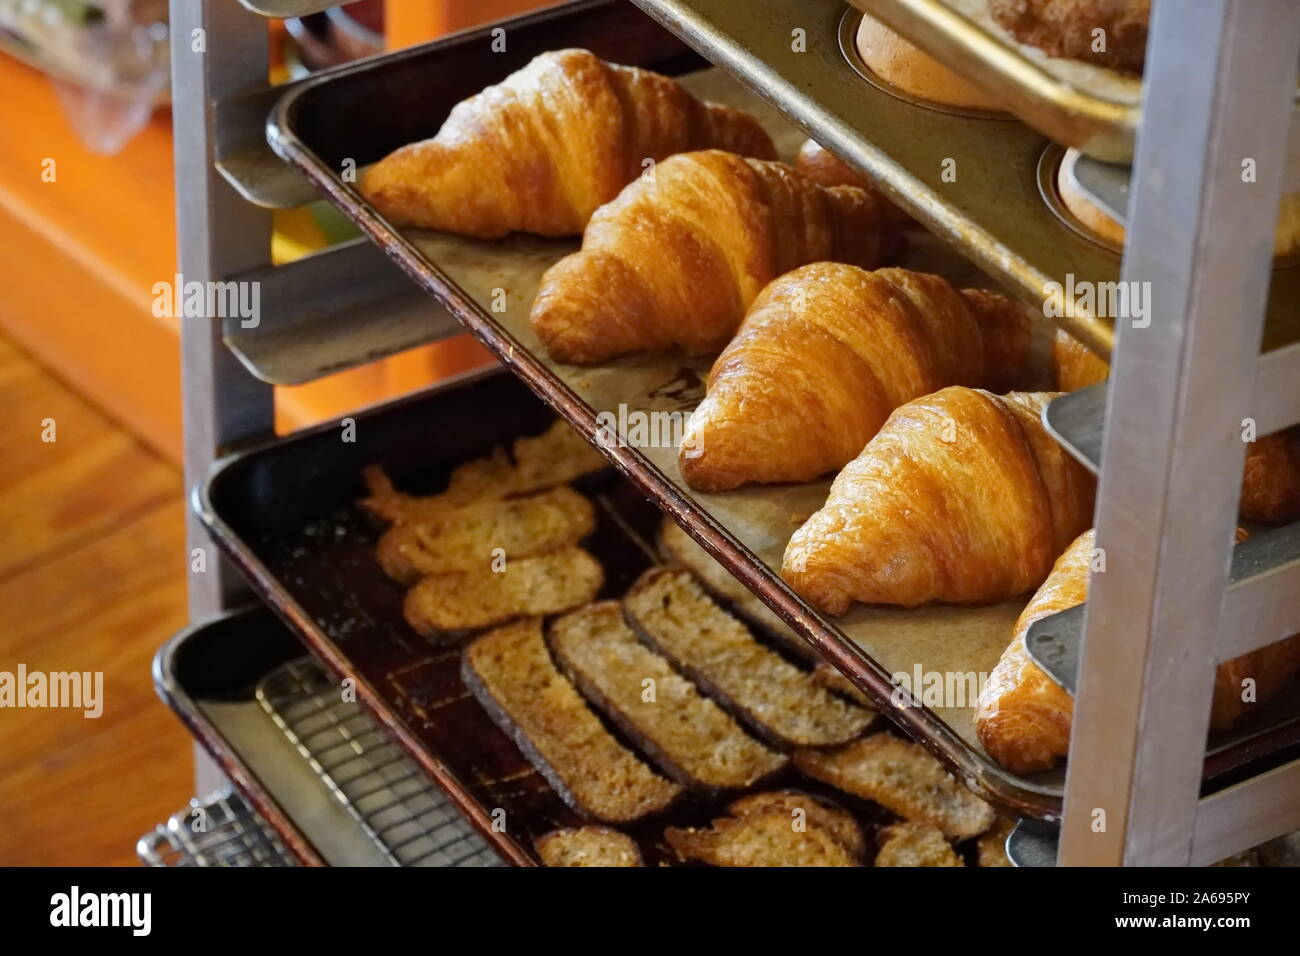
(825, 354)
(545, 148)
(680, 255)
(962, 497)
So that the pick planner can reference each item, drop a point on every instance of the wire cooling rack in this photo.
(221, 830)
(384, 791)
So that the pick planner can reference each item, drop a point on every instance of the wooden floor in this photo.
(92, 565)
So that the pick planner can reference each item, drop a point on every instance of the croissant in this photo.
(1270, 488)
(552, 143)
(1023, 716)
(678, 257)
(826, 169)
(825, 354)
(1076, 365)
(961, 497)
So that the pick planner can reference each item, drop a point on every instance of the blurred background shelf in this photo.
(79, 256)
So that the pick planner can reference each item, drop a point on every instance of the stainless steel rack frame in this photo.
(1219, 87)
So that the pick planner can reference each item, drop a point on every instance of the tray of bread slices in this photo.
(587, 684)
(835, 406)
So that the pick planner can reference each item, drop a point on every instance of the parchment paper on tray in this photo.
(762, 518)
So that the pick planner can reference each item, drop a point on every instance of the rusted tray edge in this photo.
(327, 652)
(977, 771)
(219, 748)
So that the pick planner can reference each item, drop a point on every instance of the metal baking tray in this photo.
(286, 514)
(324, 121)
(310, 770)
(207, 674)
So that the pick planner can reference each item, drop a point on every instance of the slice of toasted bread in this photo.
(678, 547)
(992, 846)
(813, 810)
(472, 537)
(510, 673)
(689, 737)
(915, 844)
(825, 675)
(900, 776)
(481, 479)
(674, 615)
(588, 846)
(445, 607)
(555, 457)
(766, 838)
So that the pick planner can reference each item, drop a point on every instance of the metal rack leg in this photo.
(218, 49)
(1219, 87)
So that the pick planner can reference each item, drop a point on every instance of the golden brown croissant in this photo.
(679, 256)
(1023, 717)
(825, 354)
(1076, 365)
(826, 169)
(1270, 488)
(552, 143)
(961, 497)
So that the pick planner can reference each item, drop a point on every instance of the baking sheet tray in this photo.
(333, 118)
(286, 514)
(208, 674)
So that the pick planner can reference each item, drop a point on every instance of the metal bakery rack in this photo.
(1167, 424)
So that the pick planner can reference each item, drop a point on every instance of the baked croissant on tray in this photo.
(962, 497)
(548, 146)
(825, 354)
(1023, 717)
(680, 255)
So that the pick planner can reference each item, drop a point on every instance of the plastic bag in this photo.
(109, 60)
